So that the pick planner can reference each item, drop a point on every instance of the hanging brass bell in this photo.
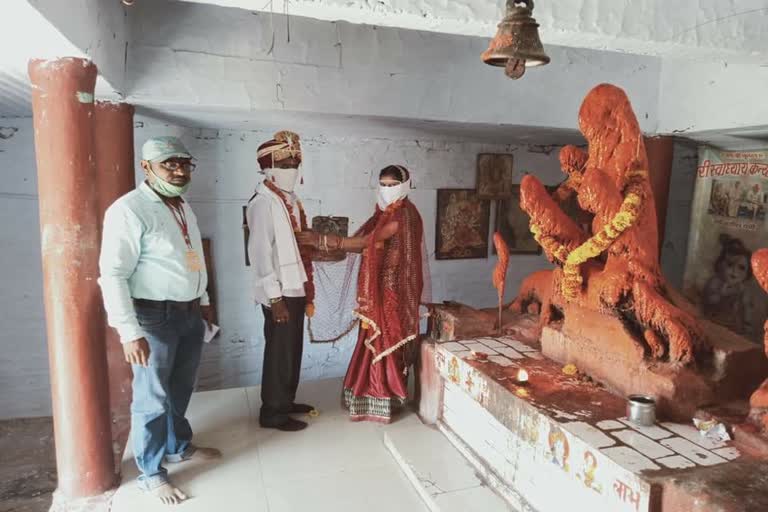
(516, 45)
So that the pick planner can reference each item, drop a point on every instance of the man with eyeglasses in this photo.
(153, 281)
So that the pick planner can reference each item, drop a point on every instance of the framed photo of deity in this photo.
(495, 176)
(463, 220)
(330, 226)
(513, 224)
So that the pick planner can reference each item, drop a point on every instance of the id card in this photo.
(194, 264)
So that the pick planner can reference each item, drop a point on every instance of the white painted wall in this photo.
(694, 28)
(340, 176)
(709, 98)
(23, 351)
(206, 57)
(98, 28)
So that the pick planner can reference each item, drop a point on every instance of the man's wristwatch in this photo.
(275, 301)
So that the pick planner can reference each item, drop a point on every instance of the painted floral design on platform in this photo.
(530, 430)
(453, 370)
(589, 471)
(559, 448)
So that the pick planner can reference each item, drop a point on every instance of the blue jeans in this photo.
(161, 392)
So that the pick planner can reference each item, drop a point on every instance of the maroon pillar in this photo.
(660, 153)
(62, 105)
(115, 177)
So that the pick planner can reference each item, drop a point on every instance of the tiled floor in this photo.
(334, 465)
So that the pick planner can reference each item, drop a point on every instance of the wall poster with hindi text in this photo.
(728, 223)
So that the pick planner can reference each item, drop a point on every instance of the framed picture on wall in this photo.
(463, 220)
(513, 224)
(494, 176)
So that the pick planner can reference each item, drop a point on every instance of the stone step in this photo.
(444, 479)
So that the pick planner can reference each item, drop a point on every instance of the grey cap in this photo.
(160, 149)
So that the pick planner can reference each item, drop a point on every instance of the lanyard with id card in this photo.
(193, 261)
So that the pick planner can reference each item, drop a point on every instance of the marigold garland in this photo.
(625, 218)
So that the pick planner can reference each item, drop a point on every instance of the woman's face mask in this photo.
(391, 192)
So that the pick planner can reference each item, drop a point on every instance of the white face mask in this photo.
(391, 195)
(285, 179)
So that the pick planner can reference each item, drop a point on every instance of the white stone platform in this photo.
(440, 473)
(559, 443)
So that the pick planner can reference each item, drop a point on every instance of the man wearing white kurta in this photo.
(153, 280)
(282, 279)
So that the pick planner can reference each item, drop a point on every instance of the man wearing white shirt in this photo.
(153, 280)
(282, 279)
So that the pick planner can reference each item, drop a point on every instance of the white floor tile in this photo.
(655, 432)
(375, 489)
(676, 462)
(222, 410)
(693, 435)
(589, 434)
(478, 498)
(490, 342)
(501, 360)
(728, 453)
(643, 444)
(334, 465)
(692, 451)
(430, 457)
(629, 459)
(517, 345)
(610, 425)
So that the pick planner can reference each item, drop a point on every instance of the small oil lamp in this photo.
(521, 379)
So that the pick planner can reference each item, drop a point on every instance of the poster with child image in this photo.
(728, 223)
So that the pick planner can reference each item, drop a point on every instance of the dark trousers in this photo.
(282, 361)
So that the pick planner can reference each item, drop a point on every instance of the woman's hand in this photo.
(387, 232)
(308, 239)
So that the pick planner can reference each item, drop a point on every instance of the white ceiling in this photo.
(701, 29)
(29, 35)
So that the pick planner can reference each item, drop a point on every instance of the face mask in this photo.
(285, 179)
(165, 188)
(390, 195)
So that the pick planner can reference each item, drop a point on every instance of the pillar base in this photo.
(99, 503)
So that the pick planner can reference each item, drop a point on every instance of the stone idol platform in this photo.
(562, 442)
(600, 347)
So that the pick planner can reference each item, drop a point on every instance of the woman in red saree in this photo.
(389, 291)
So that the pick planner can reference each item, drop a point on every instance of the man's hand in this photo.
(280, 312)
(137, 352)
(207, 313)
